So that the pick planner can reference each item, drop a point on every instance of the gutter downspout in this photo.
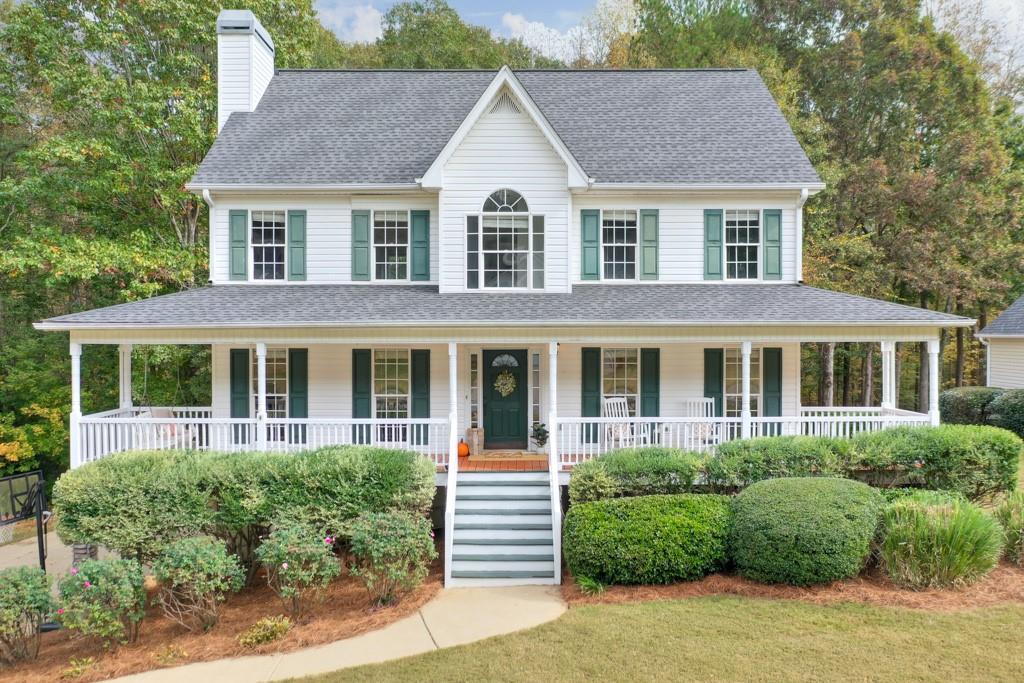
(804, 194)
(208, 198)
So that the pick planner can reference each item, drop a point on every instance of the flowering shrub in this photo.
(194, 576)
(392, 552)
(299, 563)
(104, 599)
(25, 602)
(266, 630)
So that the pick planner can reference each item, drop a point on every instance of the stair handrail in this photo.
(449, 505)
(556, 496)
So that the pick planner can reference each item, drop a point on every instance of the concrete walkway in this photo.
(455, 617)
(26, 553)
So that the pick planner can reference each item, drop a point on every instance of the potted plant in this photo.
(539, 436)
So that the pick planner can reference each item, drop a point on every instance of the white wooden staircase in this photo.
(503, 529)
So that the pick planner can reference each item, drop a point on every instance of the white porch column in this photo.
(261, 396)
(124, 353)
(887, 374)
(453, 405)
(933, 381)
(76, 404)
(745, 349)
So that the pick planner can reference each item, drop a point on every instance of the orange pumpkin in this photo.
(463, 448)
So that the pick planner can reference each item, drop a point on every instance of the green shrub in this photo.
(922, 495)
(591, 481)
(972, 460)
(648, 539)
(803, 531)
(391, 552)
(299, 563)
(967, 405)
(25, 603)
(266, 630)
(103, 599)
(935, 543)
(133, 503)
(195, 574)
(1010, 514)
(740, 463)
(1007, 411)
(643, 471)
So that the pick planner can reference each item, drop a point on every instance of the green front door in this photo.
(505, 391)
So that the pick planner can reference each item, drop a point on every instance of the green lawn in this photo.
(733, 639)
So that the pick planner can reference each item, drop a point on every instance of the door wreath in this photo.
(505, 383)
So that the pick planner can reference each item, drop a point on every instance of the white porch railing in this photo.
(581, 438)
(101, 434)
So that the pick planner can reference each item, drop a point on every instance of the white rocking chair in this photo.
(623, 432)
(160, 436)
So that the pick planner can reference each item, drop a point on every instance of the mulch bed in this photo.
(345, 612)
(1004, 585)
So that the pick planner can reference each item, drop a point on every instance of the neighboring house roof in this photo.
(703, 127)
(305, 305)
(1009, 324)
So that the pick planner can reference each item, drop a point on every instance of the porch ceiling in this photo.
(346, 305)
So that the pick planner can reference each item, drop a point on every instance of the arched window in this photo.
(505, 200)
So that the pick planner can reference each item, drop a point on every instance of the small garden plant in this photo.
(25, 603)
(195, 575)
(103, 599)
(391, 553)
(266, 630)
(932, 540)
(1010, 514)
(300, 563)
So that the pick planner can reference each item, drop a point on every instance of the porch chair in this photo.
(172, 435)
(705, 433)
(621, 432)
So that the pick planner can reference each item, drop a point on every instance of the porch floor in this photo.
(469, 464)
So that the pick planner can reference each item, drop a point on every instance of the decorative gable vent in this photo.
(505, 104)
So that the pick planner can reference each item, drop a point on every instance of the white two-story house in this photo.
(419, 258)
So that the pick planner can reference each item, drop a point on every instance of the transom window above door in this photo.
(619, 244)
(268, 236)
(391, 245)
(505, 244)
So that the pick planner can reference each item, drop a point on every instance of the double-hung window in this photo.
(742, 244)
(505, 245)
(277, 389)
(391, 392)
(391, 245)
(619, 244)
(267, 237)
(620, 376)
(734, 382)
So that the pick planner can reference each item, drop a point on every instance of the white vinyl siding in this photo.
(505, 150)
(1006, 363)
(681, 228)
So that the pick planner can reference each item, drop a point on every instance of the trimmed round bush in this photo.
(648, 539)
(975, 461)
(803, 531)
(740, 463)
(643, 471)
(967, 405)
(391, 553)
(1007, 411)
(1010, 514)
(931, 542)
(195, 575)
(300, 563)
(104, 599)
(25, 603)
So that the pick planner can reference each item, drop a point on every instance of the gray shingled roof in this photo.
(713, 126)
(363, 305)
(1011, 321)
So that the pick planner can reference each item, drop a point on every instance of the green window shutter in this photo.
(648, 244)
(297, 245)
(362, 392)
(713, 244)
(591, 387)
(419, 239)
(771, 382)
(360, 245)
(714, 376)
(590, 252)
(298, 383)
(772, 238)
(650, 382)
(419, 375)
(238, 251)
(240, 383)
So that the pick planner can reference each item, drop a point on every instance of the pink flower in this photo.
(431, 534)
(284, 565)
(87, 584)
(60, 611)
(329, 540)
(74, 570)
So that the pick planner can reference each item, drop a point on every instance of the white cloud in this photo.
(359, 23)
(563, 45)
